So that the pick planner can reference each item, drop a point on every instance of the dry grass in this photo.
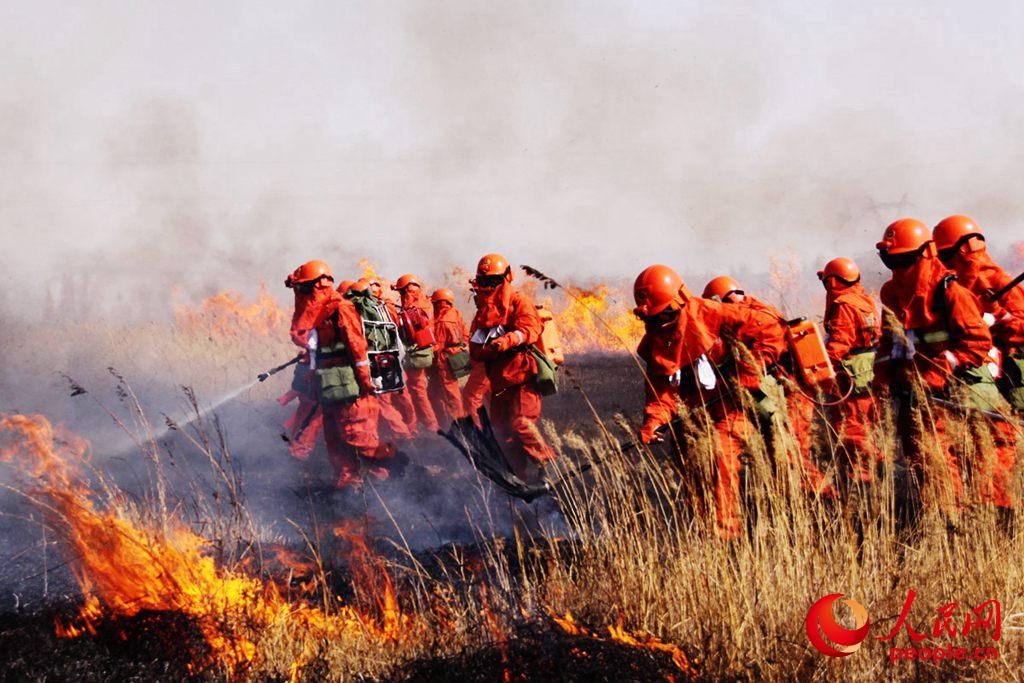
(640, 549)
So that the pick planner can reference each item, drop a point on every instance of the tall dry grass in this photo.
(638, 547)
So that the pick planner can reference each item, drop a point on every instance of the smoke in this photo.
(198, 147)
(145, 147)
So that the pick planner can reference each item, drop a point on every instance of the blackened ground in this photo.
(539, 652)
(147, 647)
(439, 499)
(161, 646)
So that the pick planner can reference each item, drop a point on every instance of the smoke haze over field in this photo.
(214, 145)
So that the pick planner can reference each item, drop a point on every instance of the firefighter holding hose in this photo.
(330, 328)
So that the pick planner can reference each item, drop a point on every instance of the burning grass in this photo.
(635, 586)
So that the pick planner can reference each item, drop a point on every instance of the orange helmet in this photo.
(655, 289)
(953, 231)
(405, 281)
(721, 288)
(311, 271)
(904, 236)
(843, 269)
(491, 270)
(373, 284)
(346, 285)
(443, 295)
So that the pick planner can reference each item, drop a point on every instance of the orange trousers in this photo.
(800, 411)
(929, 454)
(445, 393)
(514, 415)
(393, 420)
(476, 390)
(858, 453)
(303, 428)
(350, 430)
(733, 428)
(416, 388)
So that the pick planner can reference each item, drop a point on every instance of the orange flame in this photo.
(125, 564)
(227, 314)
(598, 320)
(619, 634)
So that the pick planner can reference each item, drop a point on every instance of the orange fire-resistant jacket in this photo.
(979, 273)
(708, 328)
(851, 322)
(517, 316)
(940, 315)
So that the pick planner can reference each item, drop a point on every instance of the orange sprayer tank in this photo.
(550, 343)
(807, 346)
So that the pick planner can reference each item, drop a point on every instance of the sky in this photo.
(201, 146)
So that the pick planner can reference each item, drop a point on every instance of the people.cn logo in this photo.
(827, 635)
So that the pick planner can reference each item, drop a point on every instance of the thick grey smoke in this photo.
(217, 144)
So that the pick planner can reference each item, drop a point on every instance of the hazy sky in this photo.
(214, 144)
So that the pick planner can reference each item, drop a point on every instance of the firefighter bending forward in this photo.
(681, 332)
(505, 325)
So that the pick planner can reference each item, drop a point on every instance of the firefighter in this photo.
(311, 283)
(937, 346)
(852, 328)
(392, 422)
(398, 401)
(505, 325)
(329, 327)
(961, 247)
(685, 337)
(346, 390)
(451, 356)
(769, 324)
(417, 326)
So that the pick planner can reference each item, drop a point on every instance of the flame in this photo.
(619, 634)
(126, 562)
(227, 314)
(596, 320)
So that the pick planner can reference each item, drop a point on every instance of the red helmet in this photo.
(721, 288)
(443, 295)
(953, 231)
(904, 236)
(405, 281)
(843, 269)
(655, 289)
(345, 286)
(311, 271)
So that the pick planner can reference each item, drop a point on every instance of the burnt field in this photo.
(206, 551)
(444, 514)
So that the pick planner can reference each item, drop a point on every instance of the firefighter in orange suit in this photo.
(331, 328)
(310, 283)
(415, 303)
(768, 324)
(938, 347)
(505, 324)
(853, 328)
(451, 339)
